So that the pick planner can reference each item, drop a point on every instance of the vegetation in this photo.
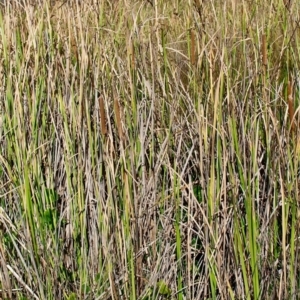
(149, 149)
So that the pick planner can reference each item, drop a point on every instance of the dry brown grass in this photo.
(146, 149)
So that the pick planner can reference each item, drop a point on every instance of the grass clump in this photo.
(149, 150)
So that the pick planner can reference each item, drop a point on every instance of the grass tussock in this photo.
(149, 150)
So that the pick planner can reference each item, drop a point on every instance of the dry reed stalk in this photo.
(193, 47)
(139, 257)
(291, 105)
(118, 119)
(264, 51)
(102, 116)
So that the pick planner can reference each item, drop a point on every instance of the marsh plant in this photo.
(149, 149)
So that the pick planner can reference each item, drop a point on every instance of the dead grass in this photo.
(147, 150)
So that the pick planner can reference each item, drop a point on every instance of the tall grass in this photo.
(149, 150)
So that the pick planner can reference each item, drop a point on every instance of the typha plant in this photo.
(149, 150)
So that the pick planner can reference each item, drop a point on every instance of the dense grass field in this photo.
(149, 149)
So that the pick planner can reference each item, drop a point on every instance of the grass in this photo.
(149, 150)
